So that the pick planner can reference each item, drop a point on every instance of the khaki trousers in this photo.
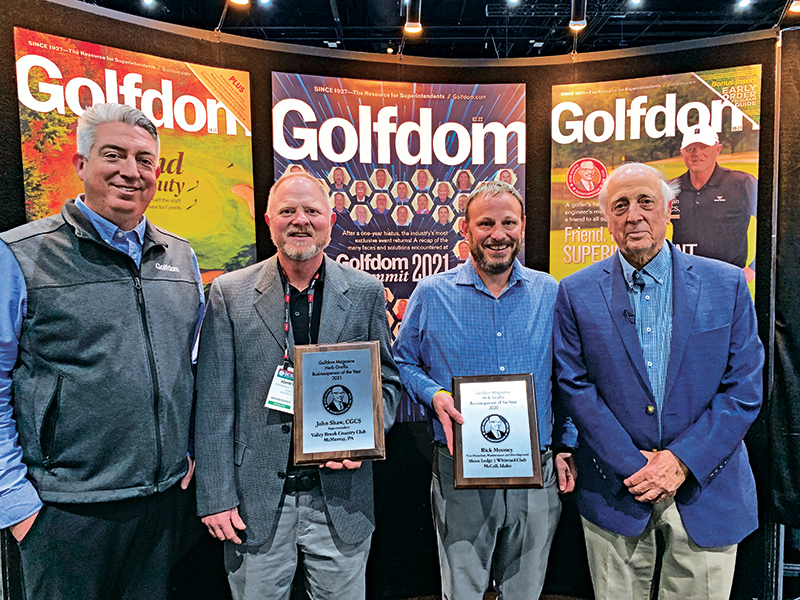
(622, 568)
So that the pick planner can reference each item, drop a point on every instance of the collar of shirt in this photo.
(658, 268)
(298, 308)
(112, 234)
(714, 181)
(468, 275)
(320, 279)
(716, 177)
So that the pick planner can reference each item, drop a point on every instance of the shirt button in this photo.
(649, 363)
(650, 409)
(281, 475)
(285, 428)
(647, 297)
(499, 334)
(120, 234)
(297, 313)
(654, 450)
(502, 368)
(648, 330)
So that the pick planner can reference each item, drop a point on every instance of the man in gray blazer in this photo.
(249, 492)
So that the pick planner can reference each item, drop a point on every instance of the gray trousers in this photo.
(333, 569)
(504, 533)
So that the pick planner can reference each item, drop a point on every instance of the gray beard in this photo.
(306, 254)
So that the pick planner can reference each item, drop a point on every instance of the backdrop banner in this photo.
(596, 127)
(205, 191)
(399, 161)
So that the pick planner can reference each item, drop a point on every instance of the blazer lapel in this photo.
(335, 304)
(616, 296)
(685, 297)
(269, 303)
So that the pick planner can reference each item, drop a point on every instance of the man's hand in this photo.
(223, 525)
(21, 529)
(659, 479)
(446, 413)
(187, 479)
(345, 464)
(567, 472)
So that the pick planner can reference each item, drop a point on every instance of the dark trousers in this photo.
(105, 551)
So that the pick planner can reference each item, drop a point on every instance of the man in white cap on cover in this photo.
(716, 204)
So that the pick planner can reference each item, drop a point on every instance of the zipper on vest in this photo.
(47, 433)
(137, 283)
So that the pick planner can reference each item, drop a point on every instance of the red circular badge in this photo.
(585, 177)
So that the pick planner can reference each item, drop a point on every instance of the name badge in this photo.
(281, 392)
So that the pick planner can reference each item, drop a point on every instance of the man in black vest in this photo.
(99, 314)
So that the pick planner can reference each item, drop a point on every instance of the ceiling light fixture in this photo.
(795, 6)
(578, 20)
(744, 3)
(225, 11)
(413, 17)
(148, 2)
(637, 2)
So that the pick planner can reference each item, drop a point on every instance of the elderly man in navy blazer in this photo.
(659, 364)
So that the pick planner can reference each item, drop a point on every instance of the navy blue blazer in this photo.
(712, 396)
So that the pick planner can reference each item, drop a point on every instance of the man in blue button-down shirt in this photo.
(98, 313)
(658, 362)
(489, 316)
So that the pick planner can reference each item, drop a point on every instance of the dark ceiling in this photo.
(469, 28)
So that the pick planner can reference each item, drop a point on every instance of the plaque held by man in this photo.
(338, 404)
(497, 446)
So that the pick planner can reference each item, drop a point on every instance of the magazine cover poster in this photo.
(399, 161)
(205, 190)
(701, 130)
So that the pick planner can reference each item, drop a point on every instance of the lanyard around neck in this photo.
(286, 302)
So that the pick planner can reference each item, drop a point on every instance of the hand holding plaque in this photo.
(338, 403)
(497, 446)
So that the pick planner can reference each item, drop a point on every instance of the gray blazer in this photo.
(241, 447)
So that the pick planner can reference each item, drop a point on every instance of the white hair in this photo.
(99, 114)
(669, 190)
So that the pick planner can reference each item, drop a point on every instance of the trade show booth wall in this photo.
(404, 560)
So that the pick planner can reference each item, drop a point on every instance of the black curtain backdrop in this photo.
(784, 409)
(403, 562)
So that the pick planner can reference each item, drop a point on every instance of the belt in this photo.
(300, 482)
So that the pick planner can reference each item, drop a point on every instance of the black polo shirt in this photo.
(715, 218)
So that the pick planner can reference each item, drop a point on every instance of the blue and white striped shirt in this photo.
(653, 309)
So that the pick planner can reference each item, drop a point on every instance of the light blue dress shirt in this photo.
(652, 307)
(18, 498)
(454, 326)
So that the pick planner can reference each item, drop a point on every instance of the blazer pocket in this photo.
(238, 452)
(702, 328)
